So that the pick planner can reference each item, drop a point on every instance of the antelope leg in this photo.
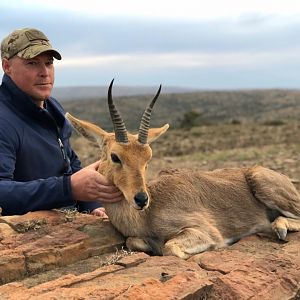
(282, 225)
(189, 242)
(137, 244)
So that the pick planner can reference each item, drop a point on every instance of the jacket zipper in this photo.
(62, 148)
(60, 143)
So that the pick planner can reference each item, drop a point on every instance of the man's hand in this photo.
(89, 185)
(100, 212)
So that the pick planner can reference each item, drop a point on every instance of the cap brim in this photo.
(35, 50)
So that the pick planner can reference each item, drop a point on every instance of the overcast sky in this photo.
(225, 44)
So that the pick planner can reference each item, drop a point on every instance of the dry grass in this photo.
(220, 145)
(271, 106)
(119, 254)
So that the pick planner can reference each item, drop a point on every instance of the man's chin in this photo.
(40, 97)
(43, 94)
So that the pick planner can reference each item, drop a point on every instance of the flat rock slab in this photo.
(54, 255)
(41, 241)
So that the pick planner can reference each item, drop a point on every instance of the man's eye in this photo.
(115, 158)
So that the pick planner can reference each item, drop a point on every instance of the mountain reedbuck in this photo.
(181, 212)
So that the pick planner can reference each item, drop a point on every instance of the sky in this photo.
(213, 44)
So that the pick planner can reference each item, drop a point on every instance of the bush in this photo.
(190, 119)
(274, 123)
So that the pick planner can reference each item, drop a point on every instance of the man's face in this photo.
(33, 76)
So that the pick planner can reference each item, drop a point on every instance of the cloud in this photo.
(160, 41)
(167, 9)
(199, 70)
(182, 60)
(82, 36)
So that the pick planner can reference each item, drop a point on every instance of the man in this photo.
(38, 168)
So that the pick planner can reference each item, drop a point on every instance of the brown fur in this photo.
(189, 212)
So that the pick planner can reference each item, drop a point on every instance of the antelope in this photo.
(186, 212)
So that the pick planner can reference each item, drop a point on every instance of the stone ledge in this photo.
(63, 253)
(41, 241)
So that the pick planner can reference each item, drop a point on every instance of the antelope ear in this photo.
(92, 132)
(155, 133)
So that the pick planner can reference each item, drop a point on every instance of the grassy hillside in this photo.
(209, 107)
(233, 128)
(241, 128)
(219, 145)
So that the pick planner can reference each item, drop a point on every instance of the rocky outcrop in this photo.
(41, 241)
(59, 255)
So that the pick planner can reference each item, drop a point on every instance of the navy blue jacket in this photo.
(36, 159)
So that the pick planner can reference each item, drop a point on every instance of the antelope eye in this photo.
(115, 158)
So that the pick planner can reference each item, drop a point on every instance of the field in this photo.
(263, 131)
(260, 128)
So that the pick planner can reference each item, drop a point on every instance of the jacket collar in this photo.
(20, 100)
(24, 104)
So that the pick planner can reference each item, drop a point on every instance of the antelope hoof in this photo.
(281, 233)
(280, 227)
(174, 250)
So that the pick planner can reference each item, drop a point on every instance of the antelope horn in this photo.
(145, 122)
(119, 125)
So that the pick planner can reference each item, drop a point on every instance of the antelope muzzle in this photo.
(141, 200)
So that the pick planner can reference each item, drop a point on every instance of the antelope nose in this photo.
(141, 199)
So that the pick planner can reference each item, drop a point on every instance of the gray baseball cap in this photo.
(26, 43)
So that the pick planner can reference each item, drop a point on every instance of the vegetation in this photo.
(210, 129)
(205, 108)
(190, 119)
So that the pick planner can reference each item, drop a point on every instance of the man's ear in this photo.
(5, 66)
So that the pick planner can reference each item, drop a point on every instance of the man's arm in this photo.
(41, 194)
(16, 197)
(21, 197)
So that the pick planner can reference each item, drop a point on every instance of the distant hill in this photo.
(96, 92)
(210, 106)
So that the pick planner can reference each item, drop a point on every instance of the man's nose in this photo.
(44, 71)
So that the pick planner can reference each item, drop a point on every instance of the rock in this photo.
(136, 277)
(12, 265)
(6, 231)
(40, 241)
(76, 258)
(34, 220)
(255, 268)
